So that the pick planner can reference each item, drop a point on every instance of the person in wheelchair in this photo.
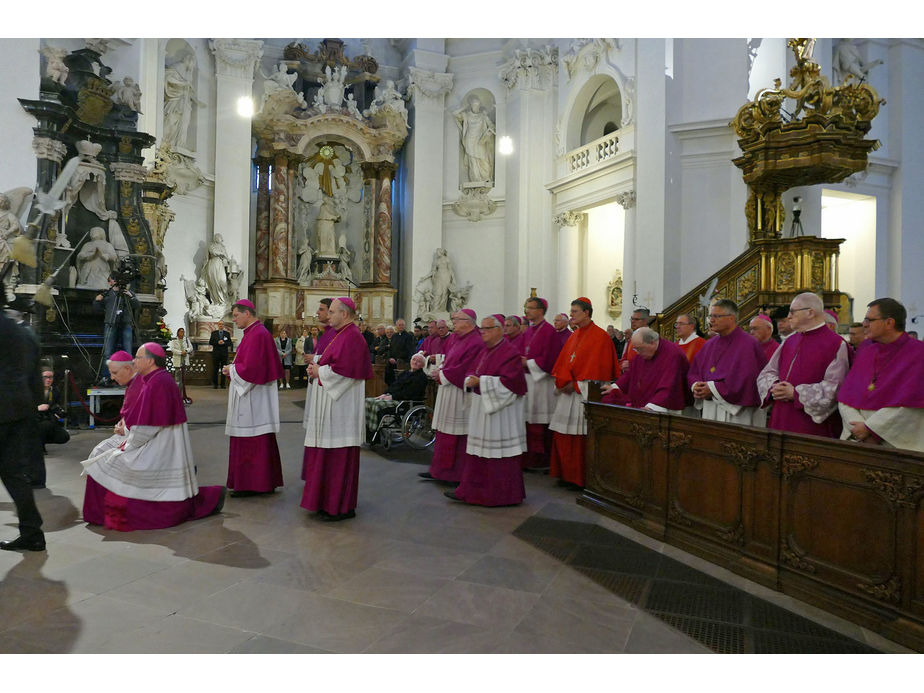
(410, 385)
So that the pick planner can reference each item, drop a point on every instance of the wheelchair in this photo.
(409, 421)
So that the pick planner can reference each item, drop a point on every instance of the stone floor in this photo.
(412, 573)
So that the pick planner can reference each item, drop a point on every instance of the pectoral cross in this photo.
(573, 354)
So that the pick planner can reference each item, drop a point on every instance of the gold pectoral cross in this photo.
(573, 354)
(872, 386)
(712, 370)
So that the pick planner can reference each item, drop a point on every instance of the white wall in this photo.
(602, 254)
(853, 218)
(19, 79)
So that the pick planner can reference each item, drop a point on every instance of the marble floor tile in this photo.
(586, 624)
(401, 591)
(479, 605)
(428, 635)
(263, 644)
(511, 573)
(179, 634)
(334, 625)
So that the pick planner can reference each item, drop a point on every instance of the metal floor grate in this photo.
(720, 616)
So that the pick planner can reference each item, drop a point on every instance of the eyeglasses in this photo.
(678, 324)
(873, 319)
(484, 329)
(796, 310)
(721, 315)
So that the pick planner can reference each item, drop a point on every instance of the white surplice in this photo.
(156, 464)
(496, 424)
(899, 427)
(253, 410)
(540, 394)
(569, 416)
(451, 410)
(337, 414)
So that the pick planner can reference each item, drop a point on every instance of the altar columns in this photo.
(568, 244)
(377, 178)
(279, 228)
(262, 243)
(235, 60)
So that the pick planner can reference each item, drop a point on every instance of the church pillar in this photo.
(235, 60)
(263, 219)
(568, 244)
(422, 221)
(279, 225)
(530, 77)
(626, 200)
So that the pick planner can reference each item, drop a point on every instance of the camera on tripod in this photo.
(125, 273)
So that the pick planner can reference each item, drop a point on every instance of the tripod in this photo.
(114, 318)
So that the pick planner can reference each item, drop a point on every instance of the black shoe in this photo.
(337, 518)
(244, 494)
(426, 475)
(35, 487)
(23, 544)
(221, 501)
(452, 496)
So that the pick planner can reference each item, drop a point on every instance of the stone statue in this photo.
(330, 95)
(388, 98)
(327, 217)
(281, 80)
(847, 61)
(234, 281)
(305, 253)
(55, 69)
(442, 279)
(202, 303)
(346, 259)
(10, 228)
(477, 130)
(352, 108)
(437, 293)
(215, 272)
(179, 97)
(95, 261)
(128, 94)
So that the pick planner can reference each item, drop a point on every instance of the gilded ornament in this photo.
(894, 486)
(797, 464)
(889, 591)
(675, 440)
(94, 101)
(644, 435)
(788, 555)
(675, 514)
(733, 535)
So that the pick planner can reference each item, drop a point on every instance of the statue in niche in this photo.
(179, 97)
(477, 131)
(847, 61)
(55, 69)
(215, 272)
(128, 94)
(437, 292)
(95, 261)
(327, 217)
(330, 95)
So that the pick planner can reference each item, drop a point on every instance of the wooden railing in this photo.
(836, 524)
(768, 274)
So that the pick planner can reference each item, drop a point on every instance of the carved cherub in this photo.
(55, 69)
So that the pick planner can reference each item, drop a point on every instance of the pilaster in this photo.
(235, 60)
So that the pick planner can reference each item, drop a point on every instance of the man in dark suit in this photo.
(220, 341)
(400, 350)
(20, 390)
